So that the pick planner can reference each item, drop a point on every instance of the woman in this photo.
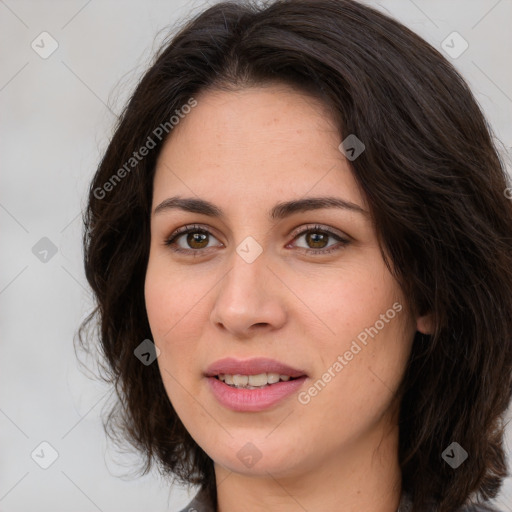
(300, 246)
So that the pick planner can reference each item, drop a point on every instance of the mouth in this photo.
(253, 385)
(259, 381)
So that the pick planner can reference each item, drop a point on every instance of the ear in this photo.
(424, 324)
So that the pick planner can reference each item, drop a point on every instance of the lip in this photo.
(253, 366)
(252, 400)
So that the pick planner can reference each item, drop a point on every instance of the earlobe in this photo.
(424, 324)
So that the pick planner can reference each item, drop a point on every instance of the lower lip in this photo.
(253, 400)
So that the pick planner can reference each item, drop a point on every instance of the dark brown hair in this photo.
(435, 185)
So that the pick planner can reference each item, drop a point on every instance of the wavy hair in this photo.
(434, 182)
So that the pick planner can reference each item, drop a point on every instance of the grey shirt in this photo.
(201, 503)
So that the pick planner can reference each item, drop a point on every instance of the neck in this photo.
(363, 476)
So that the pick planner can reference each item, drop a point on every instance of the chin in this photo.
(258, 458)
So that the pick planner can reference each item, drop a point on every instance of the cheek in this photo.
(177, 310)
(164, 314)
(354, 301)
(168, 307)
(361, 361)
(169, 298)
(355, 383)
(160, 306)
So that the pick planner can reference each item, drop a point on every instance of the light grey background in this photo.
(57, 116)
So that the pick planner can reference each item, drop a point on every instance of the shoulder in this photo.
(200, 503)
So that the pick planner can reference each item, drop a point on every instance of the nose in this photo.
(250, 298)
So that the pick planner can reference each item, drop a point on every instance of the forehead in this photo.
(253, 143)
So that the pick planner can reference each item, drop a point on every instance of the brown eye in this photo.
(317, 239)
(189, 239)
(196, 240)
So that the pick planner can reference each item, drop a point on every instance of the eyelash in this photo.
(171, 241)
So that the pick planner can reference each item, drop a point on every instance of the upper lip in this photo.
(253, 366)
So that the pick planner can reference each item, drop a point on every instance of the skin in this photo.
(245, 151)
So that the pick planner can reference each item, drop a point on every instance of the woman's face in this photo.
(253, 282)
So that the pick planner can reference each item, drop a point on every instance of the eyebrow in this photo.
(279, 211)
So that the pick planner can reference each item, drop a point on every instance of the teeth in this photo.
(240, 380)
(258, 380)
(272, 378)
(252, 381)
